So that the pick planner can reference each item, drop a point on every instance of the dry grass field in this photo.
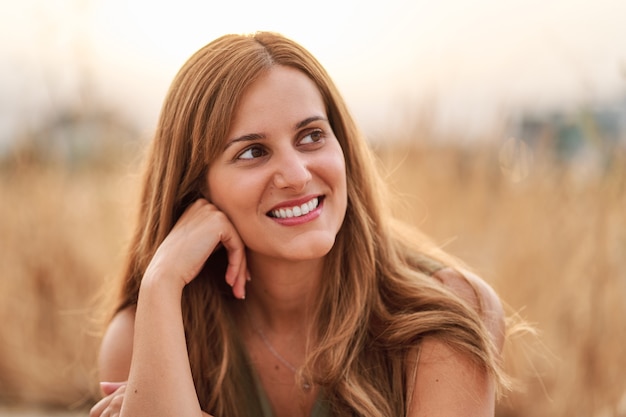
(550, 241)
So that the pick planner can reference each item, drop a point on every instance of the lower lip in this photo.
(295, 221)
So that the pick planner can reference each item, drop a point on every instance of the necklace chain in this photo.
(305, 385)
(272, 350)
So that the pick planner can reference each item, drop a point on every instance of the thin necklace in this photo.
(306, 386)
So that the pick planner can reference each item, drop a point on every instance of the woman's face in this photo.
(281, 178)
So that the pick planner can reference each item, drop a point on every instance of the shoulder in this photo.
(448, 383)
(479, 295)
(117, 347)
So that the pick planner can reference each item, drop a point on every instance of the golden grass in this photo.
(554, 247)
(62, 236)
(552, 244)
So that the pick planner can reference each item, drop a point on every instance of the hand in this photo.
(111, 404)
(197, 233)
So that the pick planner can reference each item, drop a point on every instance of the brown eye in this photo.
(313, 137)
(252, 153)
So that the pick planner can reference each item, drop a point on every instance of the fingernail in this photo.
(229, 281)
(110, 387)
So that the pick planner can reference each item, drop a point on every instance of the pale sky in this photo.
(469, 60)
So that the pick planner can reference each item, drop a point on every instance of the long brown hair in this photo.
(377, 292)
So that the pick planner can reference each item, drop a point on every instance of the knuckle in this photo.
(96, 410)
(117, 400)
(217, 215)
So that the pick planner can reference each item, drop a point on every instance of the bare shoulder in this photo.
(448, 383)
(480, 295)
(117, 347)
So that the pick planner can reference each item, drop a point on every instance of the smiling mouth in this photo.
(296, 211)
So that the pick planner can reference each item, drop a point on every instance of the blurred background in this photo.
(501, 125)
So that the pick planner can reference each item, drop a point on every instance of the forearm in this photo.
(160, 381)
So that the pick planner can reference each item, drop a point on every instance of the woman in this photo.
(265, 276)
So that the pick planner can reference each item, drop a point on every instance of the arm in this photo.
(114, 362)
(160, 381)
(446, 382)
(148, 345)
(116, 348)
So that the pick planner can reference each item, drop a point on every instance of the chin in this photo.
(315, 253)
(309, 249)
(313, 250)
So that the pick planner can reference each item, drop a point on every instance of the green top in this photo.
(320, 408)
(257, 402)
(252, 385)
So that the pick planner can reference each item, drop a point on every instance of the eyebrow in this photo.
(308, 120)
(258, 136)
(245, 138)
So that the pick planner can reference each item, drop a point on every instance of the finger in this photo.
(240, 277)
(236, 257)
(110, 387)
(100, 406)
(239, 289)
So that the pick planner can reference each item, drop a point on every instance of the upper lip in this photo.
(296, 202)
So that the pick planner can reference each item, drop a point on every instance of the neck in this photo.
(281, 295)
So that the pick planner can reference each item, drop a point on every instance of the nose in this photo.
(291, 171)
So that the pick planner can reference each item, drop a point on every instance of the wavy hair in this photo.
(378, 299)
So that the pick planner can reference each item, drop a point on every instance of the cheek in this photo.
(343, 186)
(332, 171)
(233, 194)
(335, 170)
(218, 186)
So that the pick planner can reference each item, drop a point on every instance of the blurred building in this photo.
(588, 135)
(75, 136)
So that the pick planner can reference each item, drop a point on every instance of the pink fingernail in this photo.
(110, 387)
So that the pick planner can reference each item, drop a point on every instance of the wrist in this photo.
(161, 283)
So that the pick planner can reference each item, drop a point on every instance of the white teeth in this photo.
(296, 211)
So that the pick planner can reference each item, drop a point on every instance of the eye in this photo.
(313, 137)
(252, 152)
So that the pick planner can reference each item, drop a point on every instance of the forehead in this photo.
(281, 94)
